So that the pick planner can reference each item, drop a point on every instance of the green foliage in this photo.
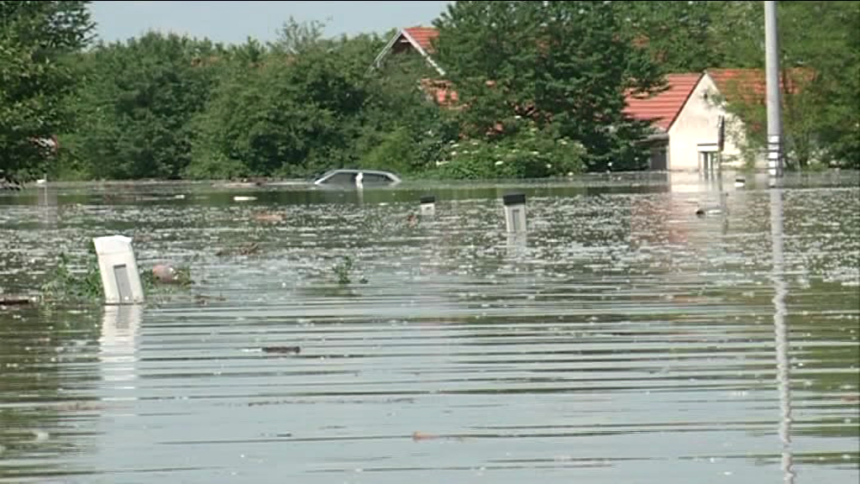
(562, 64)
(688, 43)
(36, 78)
(828, 41)
(529, 153)
(292, 111)
(693, 36)
(137, 106)
(343, 271)
(396, 152)
(168, 106)
(64, 285)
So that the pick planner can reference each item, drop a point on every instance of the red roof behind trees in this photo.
(749, 85)
(423, 36)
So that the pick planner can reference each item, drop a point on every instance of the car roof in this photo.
(357, 170)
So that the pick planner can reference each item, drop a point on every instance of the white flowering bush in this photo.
(529, 153)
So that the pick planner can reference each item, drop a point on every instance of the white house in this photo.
(692, 129)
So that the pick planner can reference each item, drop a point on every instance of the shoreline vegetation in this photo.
(541, 91)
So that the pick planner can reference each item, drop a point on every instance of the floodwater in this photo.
(623, 339)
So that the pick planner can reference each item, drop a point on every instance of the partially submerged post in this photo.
(515, 212)
(774, 105)
(118, 268)
(428, 205)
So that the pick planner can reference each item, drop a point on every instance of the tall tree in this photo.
(820, 79)
(821, 41)
(562, 64)
(137, 105)
(35, 78)
(296, 112)
(680, 36)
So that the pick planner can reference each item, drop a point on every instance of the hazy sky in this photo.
(235, 21)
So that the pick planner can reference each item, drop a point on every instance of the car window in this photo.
(375, 178)
(341, 179)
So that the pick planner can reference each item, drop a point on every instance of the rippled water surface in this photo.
(623, 339)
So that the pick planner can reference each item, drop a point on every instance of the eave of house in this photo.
(403, 33)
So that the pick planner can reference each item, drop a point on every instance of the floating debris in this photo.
(167, 274)
(203, 300)
(164, 273)
(702, 212)
(243, 199)
(286, 350)
(268, 217)
(419, 436)
(12, 300)
(248, 249)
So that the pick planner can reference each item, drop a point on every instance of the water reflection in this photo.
(517, 245)
(118, 351)
(47, 200)
(781, 332)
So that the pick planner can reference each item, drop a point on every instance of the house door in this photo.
(658, 159)
(709, 160)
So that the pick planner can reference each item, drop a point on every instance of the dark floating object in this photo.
(283, 350)
(428, 199)
(514, 199)
(15, 300)
(701, 212)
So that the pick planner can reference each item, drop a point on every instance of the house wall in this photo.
(698, 123)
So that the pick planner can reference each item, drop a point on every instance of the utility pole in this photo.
(774, 104)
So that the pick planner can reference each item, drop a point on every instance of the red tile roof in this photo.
(749, 85)
(663, 108)
(423, 36)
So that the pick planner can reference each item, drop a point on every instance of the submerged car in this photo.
(354, 177)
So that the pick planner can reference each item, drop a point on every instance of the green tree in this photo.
(820, 79)
(138, 102)
(562, 64)
(680, 36)
(296, 112)
(823, 39)
(35, 77)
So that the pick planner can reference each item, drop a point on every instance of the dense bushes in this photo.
(530, 153)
